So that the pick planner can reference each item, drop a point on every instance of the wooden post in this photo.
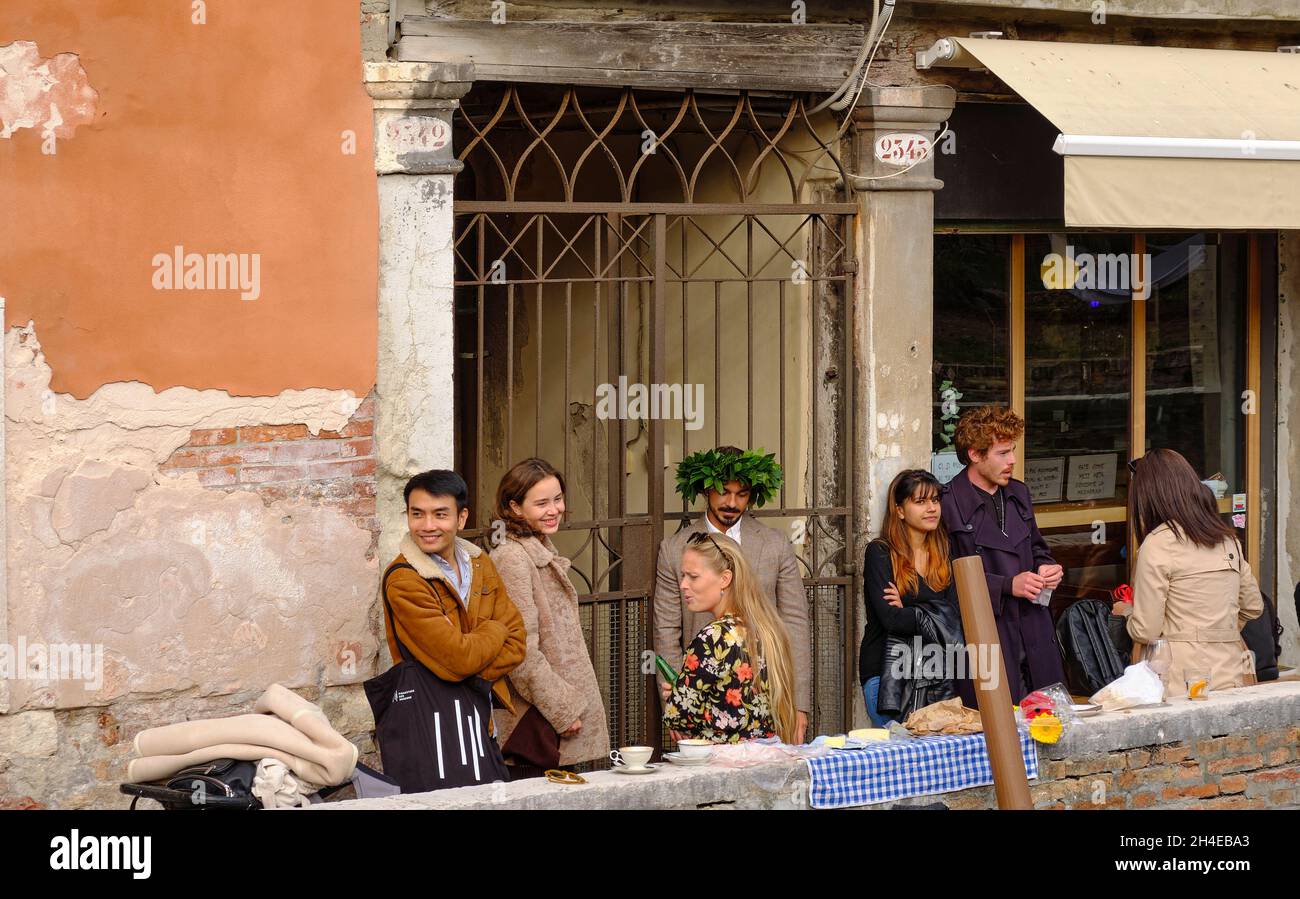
(991, 692)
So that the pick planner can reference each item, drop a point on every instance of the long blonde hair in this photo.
(757, 614)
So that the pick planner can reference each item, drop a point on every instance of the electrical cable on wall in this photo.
(864, 78)
(867, 48)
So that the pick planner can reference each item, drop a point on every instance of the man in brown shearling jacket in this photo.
(450, 608)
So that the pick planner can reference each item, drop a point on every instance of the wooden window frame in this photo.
(1085, 513)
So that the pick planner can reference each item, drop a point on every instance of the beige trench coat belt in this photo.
(1204, 635)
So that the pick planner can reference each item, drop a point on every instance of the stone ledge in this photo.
(1274, 704)
(769, 786)
(785, 785)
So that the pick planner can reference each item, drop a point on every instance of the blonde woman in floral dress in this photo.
(737, 678)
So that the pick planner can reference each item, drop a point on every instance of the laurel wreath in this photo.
(712, 470)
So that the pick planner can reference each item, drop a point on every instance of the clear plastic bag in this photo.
(1048, 713)
(1138, 685)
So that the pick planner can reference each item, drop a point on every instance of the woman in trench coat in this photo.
(1192, 586)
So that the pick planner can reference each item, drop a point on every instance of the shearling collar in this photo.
(541, 551)
(424, 566)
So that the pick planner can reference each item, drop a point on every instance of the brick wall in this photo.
(285, 462)
(1253, 769)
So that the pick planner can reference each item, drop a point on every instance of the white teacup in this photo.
(632, 756)
(694, 748)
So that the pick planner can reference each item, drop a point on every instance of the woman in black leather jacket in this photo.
(913, 629)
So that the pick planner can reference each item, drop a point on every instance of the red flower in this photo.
(744, 672)
(1035, 704)
(733, 697)
(692, 662)
(708, 716)
(1122, 593)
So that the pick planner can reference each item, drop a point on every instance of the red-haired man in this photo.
(988, 513)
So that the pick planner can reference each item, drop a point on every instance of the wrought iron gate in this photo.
(588, 293)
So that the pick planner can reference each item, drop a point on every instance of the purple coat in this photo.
(1029, 648)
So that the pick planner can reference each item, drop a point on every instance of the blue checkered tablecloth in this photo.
(897, 769)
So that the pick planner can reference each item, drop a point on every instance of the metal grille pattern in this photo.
(562, 290)
(683, 144)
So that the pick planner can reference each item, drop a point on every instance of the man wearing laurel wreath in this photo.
(732, 480)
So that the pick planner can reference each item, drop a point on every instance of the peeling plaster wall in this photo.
(230, 136)
(196, 595)
(52, 96)
(128, 129)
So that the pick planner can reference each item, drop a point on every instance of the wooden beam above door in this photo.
(669, 55)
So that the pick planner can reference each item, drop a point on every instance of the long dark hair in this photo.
(917, 484)
(1164, 489)
(514, 486)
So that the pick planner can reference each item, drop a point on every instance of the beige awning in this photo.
(1160, 137)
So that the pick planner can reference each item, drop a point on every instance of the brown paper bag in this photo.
(947, 717)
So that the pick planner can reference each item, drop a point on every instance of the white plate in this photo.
(1086, 709)
(678, 759)
(650, 768)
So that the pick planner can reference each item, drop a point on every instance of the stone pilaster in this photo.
(414, 158)
(894, 305)
(893, 313)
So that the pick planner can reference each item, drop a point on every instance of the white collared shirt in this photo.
(460, 576)
(733, 532)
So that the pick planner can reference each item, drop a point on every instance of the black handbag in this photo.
(1089, 655)
(225, 784)
(433, 734)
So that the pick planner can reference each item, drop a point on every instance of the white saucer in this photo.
(678, 759)
(650, 768)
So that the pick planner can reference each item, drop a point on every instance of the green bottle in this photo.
(665, 670)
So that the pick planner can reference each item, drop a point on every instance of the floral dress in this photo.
(716, 697)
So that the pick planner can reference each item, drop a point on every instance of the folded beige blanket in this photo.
(288, 728)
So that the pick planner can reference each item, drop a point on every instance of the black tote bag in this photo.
(433, 734)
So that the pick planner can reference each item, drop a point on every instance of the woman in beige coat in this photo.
(1192, 586)
(556, 679)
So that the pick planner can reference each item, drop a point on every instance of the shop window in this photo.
(1196, 357)
(1077, 311)
(970, 333)
(1051, 324)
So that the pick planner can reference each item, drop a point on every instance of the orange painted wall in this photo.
(225, 137)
